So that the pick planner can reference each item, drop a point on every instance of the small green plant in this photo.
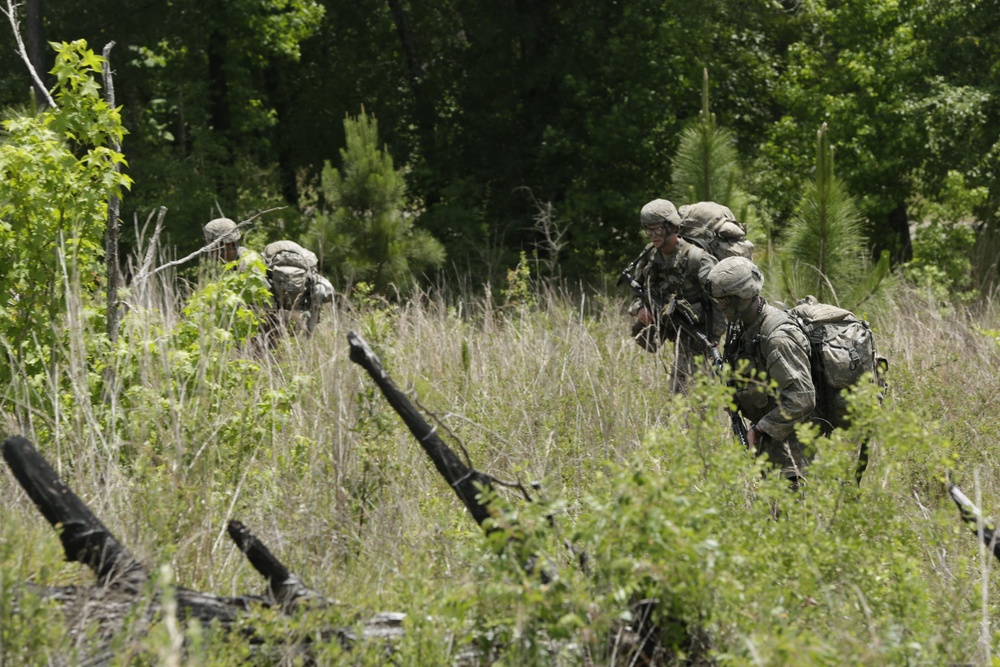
(943, 245)
(824, 251)
(519, 293)
(706, 166)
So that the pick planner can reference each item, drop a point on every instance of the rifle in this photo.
(626, 277)
(688, 326)
(718, 363)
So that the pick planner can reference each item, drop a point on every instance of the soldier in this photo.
(299, 289)
(673, 273)
(771, 342)
(229, 250)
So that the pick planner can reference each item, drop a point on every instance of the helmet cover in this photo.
(659, 212)
(735, 277)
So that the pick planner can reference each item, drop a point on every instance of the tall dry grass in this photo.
(306, 452)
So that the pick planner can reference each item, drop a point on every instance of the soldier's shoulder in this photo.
(694, 252)
(774, 320)
(784, 326)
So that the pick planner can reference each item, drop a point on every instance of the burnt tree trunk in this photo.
(121, 579)
(84, 538)
(284, 587)
(467, 482)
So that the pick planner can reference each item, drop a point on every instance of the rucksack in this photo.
(291, 270)
(714, 227)
(842, 351)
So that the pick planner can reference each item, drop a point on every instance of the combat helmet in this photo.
(659, 212)
(221, 227)
(734, 277)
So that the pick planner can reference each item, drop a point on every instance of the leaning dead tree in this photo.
(470, 485)
(96, 614)
(642, 641)
(476, 490)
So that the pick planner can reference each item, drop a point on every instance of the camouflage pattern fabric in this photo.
(775, 345)
(681, 274)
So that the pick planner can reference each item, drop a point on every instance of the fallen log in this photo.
(97, 614)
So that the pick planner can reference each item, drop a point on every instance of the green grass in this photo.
(302, 448)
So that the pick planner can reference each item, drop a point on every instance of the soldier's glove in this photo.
(645, 336)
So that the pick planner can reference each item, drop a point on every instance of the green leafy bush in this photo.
(57, 172)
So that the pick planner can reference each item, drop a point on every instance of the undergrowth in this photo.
(295, 442)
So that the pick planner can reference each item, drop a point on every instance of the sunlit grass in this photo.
(306, 453)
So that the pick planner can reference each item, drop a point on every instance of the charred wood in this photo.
(124, 598)
(467, 482)
(284, 587)
(84, 538)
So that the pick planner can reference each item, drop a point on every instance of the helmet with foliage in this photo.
(659, 212)
(221, 227)
(735, 277)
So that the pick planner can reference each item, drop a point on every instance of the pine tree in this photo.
(367, 232)
(706, 166)
(825, 250)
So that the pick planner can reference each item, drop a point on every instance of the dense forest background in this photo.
(471, 174)
(495, 112)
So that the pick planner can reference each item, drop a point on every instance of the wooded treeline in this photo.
(494, 108)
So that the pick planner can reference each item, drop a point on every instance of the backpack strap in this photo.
(701, 243)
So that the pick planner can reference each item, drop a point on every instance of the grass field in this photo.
(299, 445)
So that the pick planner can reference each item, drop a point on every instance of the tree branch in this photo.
(217, 243)
(12, 17)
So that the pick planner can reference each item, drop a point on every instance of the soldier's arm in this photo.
(788, 366)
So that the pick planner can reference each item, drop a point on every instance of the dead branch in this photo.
(217, 243)
(11, 13)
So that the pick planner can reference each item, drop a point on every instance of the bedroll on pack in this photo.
(714, 227)
(291, 270)
(842, 352)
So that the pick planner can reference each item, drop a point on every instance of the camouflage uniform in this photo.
(775, 345)
(299, 290)
(680, 275)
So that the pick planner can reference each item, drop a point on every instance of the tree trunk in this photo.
(899, 225)
(111, 231)
(96, 616)
(466, 482)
